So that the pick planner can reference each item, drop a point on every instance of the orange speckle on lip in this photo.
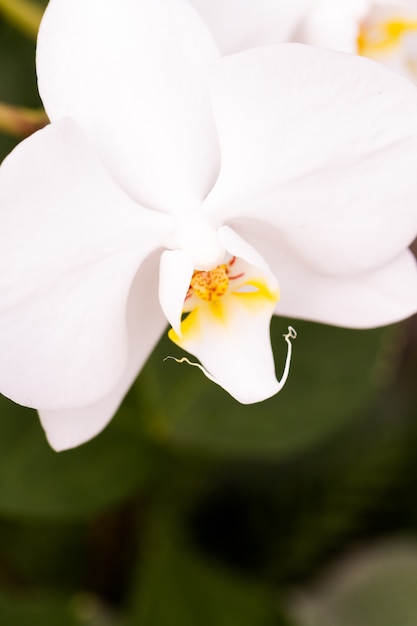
(210, 285)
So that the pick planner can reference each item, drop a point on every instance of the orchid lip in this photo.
(288, 336)
(212, 284)
(225, 322)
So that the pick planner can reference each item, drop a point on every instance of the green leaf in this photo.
(375, 588)
(35, 481)
(17, 76)
(17, 69)
(42, 554)
(28, 611)
(330, 383)
(184, 590)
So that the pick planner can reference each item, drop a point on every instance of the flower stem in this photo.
(24, 14)
(19, 121)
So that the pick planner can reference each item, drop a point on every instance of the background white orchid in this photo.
(384, 30)
(297, 161)
(238, 25)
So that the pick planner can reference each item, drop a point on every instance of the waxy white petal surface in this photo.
(381, 296)
(71, 246)
(322, 146)
(175, 272)
(124, 71)
(145, 323)
(241, 24)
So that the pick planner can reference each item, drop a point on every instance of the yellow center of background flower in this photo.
(210, 285)
(374, 37)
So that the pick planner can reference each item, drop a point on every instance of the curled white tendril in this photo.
(291, 334)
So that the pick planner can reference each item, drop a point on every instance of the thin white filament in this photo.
(291, 334)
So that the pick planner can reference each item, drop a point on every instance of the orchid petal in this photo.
(322, 146)
(145, 321)
(238, 247)
(391, 5)
(241, 24)
(385, 295)
(133, 75)
(333, 24)
(382, 296)
(175, 272)
(71, 244)
(230, 336)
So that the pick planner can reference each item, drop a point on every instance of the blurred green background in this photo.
(192, 509)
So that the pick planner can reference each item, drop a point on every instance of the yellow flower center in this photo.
(210, 285)
(377, 37)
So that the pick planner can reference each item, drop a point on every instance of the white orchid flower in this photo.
(383, 30)
(173, 182)
(238, 25)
